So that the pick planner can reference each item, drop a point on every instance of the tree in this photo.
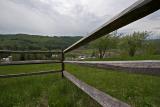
(152, 46)
(133, 42)
(105, 43)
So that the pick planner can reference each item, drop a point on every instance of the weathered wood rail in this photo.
(138, 10)
(102, 98)
(29, 74)
(32, 62)
(29, 52)
(29, 62)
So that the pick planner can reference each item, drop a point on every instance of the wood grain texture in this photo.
(102, 98)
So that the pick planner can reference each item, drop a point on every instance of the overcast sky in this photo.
(67, 17)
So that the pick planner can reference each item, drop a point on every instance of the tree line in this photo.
(26, 42)
(35, 42)
(135, 43)
(113, 43)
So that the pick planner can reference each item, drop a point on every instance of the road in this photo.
(150, 67)
(139, 64)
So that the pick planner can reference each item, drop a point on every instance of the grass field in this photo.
(40, 91)
(36, 91)
(28, 68)
(135, 89)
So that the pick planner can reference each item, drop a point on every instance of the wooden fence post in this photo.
(62, 63)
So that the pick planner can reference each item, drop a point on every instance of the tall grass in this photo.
(12, 69)
(40, 91)
(135, 89)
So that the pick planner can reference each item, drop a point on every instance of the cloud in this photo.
(66, 17)
(150, 23)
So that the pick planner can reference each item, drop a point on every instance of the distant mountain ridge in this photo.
(35, 42)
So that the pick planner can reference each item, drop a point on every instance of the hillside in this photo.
(35, 42)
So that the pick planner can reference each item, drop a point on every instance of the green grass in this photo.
(36, 91)
(125, 58)
(28, 68)
(135, 89)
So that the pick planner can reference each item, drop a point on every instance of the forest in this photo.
(35, 42)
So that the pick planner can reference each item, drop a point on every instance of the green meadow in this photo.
(53, 90)
(135, 89)
(40, 91)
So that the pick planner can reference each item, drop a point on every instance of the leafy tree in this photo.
(105, 43)
(133, 42)
(152, 46)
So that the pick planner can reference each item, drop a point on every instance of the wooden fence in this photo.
(134, 12)
(61, 61)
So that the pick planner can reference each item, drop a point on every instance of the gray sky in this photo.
(67, 17)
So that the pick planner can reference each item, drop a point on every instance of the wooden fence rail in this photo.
(102, 98)
(29, 52)
(61, 61)
(29, 74)
(29, 62)
(138, 10)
